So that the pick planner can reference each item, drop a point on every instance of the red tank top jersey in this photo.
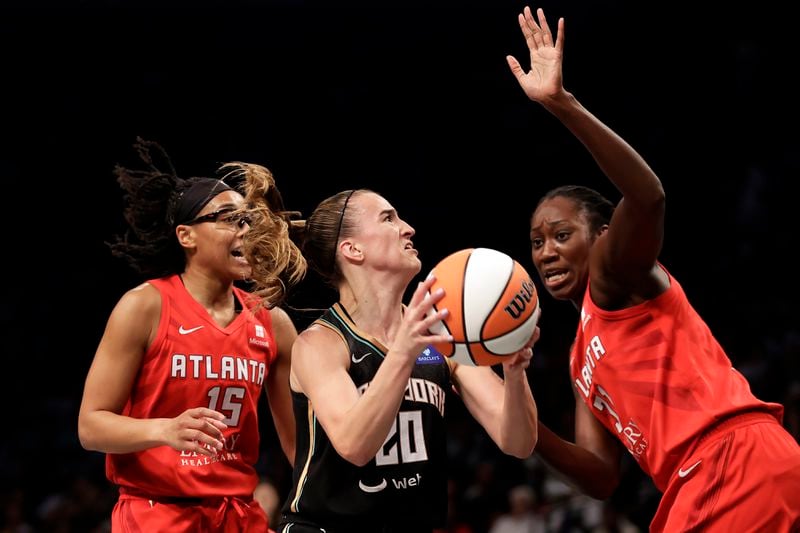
(656, 377)
(193, 362)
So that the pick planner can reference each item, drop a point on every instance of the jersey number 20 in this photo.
(405, 442)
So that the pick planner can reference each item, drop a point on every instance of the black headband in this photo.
(195, 197)
(339, 229)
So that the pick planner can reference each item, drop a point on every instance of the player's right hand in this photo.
(419, 316)
(195, 430)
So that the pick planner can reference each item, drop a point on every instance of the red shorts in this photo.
(744, 477)
(138, 514)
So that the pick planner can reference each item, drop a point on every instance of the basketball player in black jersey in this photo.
(369, 391)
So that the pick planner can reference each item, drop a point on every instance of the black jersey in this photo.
(404, 487)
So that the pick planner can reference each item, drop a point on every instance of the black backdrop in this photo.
(412, 99)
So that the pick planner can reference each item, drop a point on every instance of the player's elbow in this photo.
(601, 494)
(654, 202)
(355, 456)
(519, 454)
(354, 451)
(520, 442)
(603, 487)
(520, 449)
(93, 431)
(86, 435)
(359, 460)
(531, 446)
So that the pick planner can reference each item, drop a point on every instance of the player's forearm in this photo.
(108, 432)
(585, 470)
(287, 438)
(518, 428)
(363, 430)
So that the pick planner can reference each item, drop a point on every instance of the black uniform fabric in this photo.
(404, 488)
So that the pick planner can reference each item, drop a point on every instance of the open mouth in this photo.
(555, 276)
(238, 255)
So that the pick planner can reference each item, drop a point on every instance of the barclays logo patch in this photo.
(429, 356)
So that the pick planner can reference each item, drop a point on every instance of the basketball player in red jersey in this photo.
(369, 391)
(171, 396)
(646, 370)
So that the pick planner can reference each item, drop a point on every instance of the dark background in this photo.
(413, 100)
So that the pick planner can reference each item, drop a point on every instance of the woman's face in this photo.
(381, 235)
(216, 237)
(560, 244)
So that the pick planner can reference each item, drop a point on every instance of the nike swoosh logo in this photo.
(187, 331)
(359, 359)
(684, 473)
(372, 488)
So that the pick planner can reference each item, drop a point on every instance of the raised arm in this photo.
(628, 253)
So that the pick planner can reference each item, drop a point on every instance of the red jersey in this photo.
(656, 377)
(193, 362)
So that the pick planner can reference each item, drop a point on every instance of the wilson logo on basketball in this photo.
(517, 306)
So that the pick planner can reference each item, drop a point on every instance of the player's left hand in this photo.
(522, 359)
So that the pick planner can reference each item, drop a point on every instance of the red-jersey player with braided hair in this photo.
(647, 371)
(172, 393)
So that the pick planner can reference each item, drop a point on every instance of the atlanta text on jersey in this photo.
(594, 351)
(226, 367)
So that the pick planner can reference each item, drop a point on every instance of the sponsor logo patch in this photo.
(429, 356)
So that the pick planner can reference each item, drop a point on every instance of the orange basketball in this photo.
(493, 305)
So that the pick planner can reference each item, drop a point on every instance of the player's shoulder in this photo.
(280, 317)
(282, 326)
(319, 350)
(320, 337)
(139, 306)
(320, 332)
(141, 298)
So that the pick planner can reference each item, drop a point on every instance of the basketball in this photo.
(493, 305)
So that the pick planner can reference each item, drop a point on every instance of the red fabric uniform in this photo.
(193, 362)
(656, 377)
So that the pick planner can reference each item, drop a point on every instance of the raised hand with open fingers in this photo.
(544, 79)
(420, 315)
